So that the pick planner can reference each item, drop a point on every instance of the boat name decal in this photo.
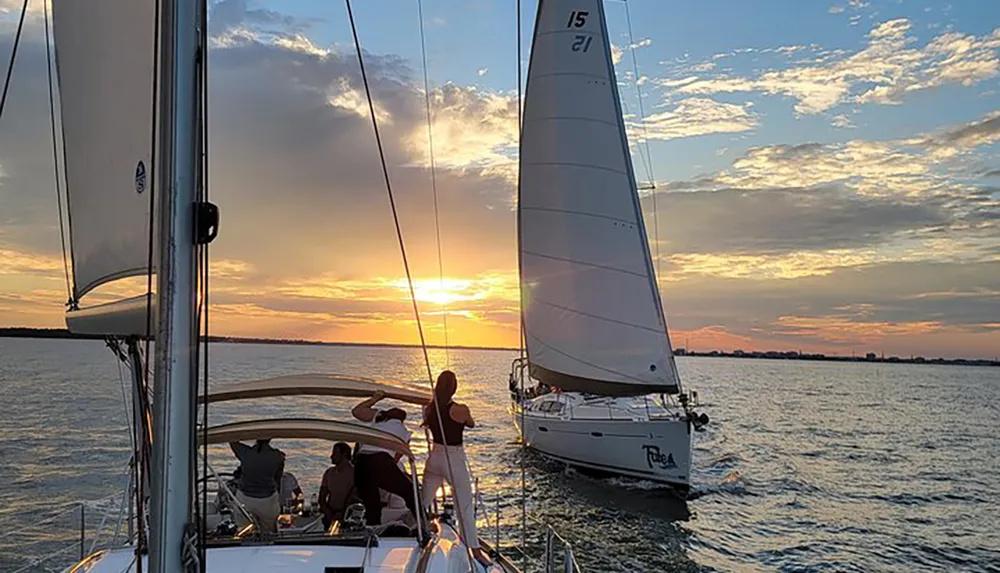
(655, 458)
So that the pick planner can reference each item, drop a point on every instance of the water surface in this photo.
(806, 466)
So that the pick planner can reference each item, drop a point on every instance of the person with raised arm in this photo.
(376, 468)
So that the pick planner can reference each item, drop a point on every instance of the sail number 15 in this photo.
(577, 19)
(581, 43)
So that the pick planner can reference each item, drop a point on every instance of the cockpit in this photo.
(230, 520)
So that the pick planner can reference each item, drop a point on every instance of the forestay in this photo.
(592, 312)
(105, 61)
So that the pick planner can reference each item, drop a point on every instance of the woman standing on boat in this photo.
(447, 461)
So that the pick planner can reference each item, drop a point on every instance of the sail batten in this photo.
(105, 65)
(591, 308)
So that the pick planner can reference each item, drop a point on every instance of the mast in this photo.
(174, 383)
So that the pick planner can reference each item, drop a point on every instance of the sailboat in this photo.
(598, 388)
(129, 122)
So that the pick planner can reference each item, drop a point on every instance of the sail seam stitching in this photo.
(585, 74)
(598, 317)
(584, 362)
(574, 32)
(584, 263)
(581, 213)
(583, 165)
(574, 118)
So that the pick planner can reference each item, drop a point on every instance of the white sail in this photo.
(592, 314)
(105, 62)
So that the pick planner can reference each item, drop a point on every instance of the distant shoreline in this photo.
(62, 333)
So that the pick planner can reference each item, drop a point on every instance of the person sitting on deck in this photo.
(337, 490)
(262, 467)
(290, 490)
(374, 467)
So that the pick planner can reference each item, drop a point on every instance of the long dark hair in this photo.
(445, 388)
(447, 384)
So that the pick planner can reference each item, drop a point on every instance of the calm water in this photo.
(806, 466)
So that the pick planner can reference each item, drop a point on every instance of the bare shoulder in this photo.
(459, 412)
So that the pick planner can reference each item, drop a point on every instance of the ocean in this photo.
(805, 466)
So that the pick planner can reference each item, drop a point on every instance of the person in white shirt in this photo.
(376, 468)
(289, 489)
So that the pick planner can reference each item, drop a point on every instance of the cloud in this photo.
(295, 169)
(899, 307)
(693, 116)
(227, 15)
(482, 72)
(838, 245)
(921, 165)
(789, 245)
(472, 129)
(616, 54)
(836, 9)
(883, 72)
(725, 222)
(841, 121)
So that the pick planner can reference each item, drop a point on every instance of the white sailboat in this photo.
(593, 322)
(115, 102)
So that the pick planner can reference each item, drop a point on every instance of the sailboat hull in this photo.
(610, 436)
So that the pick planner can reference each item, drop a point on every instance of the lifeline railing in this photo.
(57, 552)
(557, 556)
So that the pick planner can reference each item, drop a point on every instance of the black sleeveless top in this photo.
(452, 429)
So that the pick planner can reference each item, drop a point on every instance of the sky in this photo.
(825, 175)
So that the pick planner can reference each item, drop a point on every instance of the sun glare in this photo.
(442, 292)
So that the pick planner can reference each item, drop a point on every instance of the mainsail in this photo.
(593, 318)
(106, 68)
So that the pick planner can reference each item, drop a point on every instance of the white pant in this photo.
(264, 509)
(436, 473)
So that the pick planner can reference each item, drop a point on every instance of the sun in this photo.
(443, 292)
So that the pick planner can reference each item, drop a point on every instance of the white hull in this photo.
(617, 436)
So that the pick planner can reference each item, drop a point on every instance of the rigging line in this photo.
(402, 250)
(13, 57)
(645, 143)
(521, 338)
(65, 174)
(430, 146)
(143, 462)
(388, 185)
(128, 418)
(203, 530)
(55, 151)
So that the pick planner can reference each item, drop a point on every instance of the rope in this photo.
(13, 57)
(190, 551)
(55, 151)
(522, 330)
(142, 465)
(648, 161)
(430, 147)
(204, 262)
(402, 245)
